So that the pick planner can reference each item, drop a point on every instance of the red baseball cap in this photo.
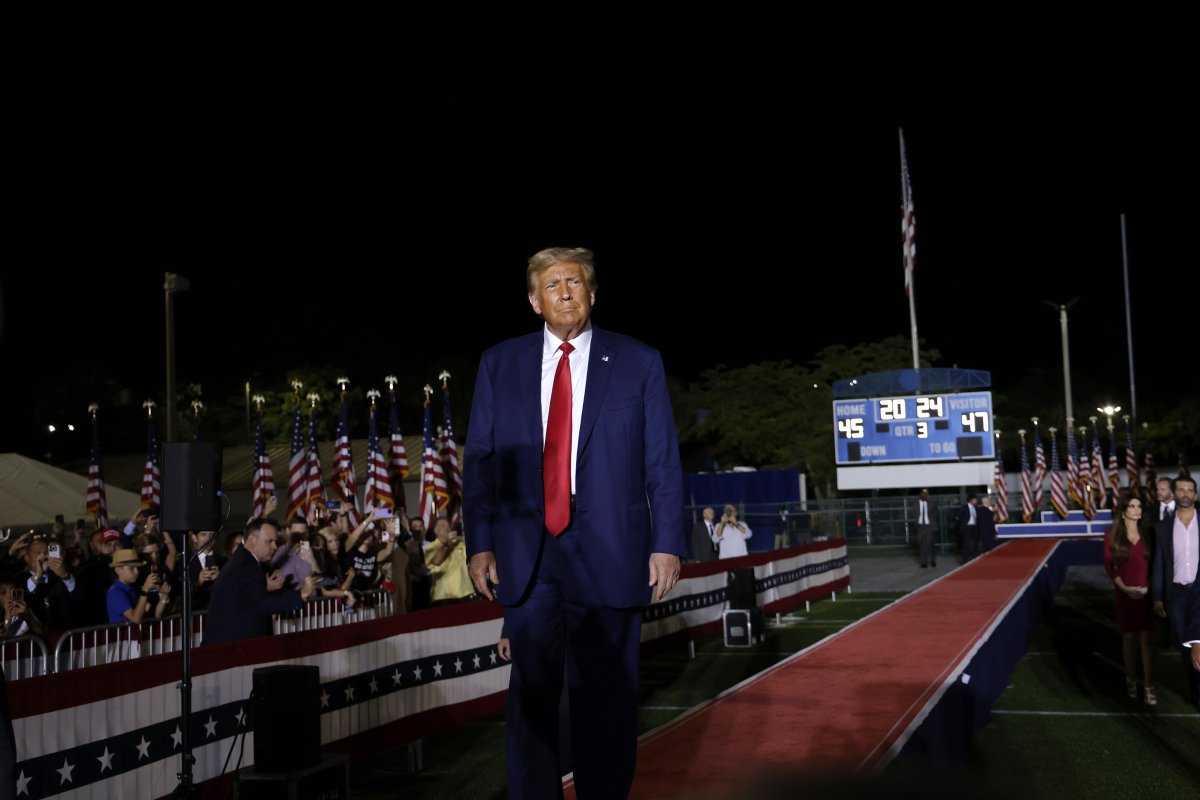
(110, 535)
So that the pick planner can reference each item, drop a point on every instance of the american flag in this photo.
(1058, 494)
(297, 468)
(151, 476)
(1131, 469)
(1027, 508)
(449, 456)
(1001, 483)
(343, 468)
(378, 491)
(1098, 479)
(398, 467)
(1086, 487)
(1039, 470)
(315, 502)
(1074, 489)
(1151, 475)
(263, 485)
(433, 483)
(1114, 472)
(908, 222)
(96, 499)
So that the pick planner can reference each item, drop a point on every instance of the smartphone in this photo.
(54, 551)
(16, 593)
(306, 546)
(80, 524)
(334, 505)
(58, 519)
(383, 513)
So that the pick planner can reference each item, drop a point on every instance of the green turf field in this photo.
(1063, 729)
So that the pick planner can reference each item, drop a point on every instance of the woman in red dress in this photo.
(1127, 560)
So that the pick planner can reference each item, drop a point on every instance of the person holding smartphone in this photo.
(127, 604)
(48, 584)
(18, 618)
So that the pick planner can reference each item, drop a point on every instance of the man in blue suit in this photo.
(573, 512)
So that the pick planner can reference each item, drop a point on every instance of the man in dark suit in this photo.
(1174, 582)
(573, 510)
(203, 568)
(244, 598)
(987, 524)
(925, 523)
(968, 528)
(703, 548)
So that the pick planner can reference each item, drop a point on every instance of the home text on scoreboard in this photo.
(926, 427)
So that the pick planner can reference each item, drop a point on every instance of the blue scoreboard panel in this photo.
(923, 427)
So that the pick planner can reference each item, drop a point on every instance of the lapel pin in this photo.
(604, 358)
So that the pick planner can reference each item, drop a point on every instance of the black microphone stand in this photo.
(186, 790)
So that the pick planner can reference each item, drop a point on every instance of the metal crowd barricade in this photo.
(122, 641)
(24, 657)
(326, 612)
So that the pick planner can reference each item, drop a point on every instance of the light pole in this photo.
(1066, 352)
(172, 285)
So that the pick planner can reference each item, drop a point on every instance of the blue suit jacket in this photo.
(628, 481)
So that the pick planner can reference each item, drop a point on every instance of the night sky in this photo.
(366, 192)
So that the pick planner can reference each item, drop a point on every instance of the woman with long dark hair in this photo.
(1127, 561)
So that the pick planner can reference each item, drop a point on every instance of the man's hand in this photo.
(310, 585)
(664, 573)
(1159, 609)
(274, 581)
(57, 566)
(483, 569)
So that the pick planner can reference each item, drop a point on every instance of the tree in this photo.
(778, 414)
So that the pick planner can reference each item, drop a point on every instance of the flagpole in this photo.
(1128, 323)
(906, 196)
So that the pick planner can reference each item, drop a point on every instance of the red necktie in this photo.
(556, 457)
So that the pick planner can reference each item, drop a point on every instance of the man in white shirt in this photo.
(703, 548)
(1174, 584)
(1166, 499)
(926, 529)
(968, 528)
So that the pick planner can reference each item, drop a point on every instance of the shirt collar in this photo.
(582, 343)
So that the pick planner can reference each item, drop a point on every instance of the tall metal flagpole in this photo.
(1128, 324)
(907, 233)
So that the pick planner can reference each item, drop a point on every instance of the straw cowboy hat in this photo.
(126, 558)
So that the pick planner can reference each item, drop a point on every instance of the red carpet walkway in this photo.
(848, 702)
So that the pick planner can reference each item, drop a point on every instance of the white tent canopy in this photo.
(32, 492)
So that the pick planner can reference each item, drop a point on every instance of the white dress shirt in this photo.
(578, 365)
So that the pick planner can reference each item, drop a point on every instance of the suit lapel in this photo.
(599, 372)
(530, 375)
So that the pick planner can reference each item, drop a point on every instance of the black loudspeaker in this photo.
(191, 486)
(287, 718)
(739, 588)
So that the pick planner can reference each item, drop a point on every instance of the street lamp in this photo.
(172, 285)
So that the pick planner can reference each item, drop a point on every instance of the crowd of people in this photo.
(54, 580)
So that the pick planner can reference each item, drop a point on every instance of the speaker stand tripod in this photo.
(186, 790)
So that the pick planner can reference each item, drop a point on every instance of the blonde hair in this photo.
(542, 260)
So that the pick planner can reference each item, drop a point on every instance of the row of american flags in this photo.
(307, 495)
(1090, 481)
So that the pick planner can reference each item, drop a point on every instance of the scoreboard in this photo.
(926, 427)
